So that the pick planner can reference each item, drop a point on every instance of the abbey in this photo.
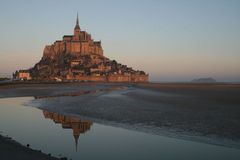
(81, 43)
(78, 57)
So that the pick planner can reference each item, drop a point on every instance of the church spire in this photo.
(77, 23)
(77, 30)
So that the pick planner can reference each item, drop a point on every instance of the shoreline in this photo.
(8, 146)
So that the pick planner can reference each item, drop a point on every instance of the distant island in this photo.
(204, 80)
(79, 58)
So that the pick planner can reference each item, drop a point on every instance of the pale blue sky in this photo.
(174, 40)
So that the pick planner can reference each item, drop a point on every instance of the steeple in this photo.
(77, 30)
(77, 23)
(77, 20)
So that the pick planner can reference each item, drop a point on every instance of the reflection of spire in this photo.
(77, 125)
(76, 141)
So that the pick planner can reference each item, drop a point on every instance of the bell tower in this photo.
(77, 30)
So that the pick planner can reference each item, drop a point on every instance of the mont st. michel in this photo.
(166, 87)
(79, 58)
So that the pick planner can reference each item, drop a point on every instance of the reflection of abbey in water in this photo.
(77, 125)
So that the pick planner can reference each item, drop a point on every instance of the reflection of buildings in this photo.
(77, 125)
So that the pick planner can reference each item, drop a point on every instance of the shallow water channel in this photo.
(75, 138)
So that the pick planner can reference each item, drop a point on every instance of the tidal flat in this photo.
(190, 115)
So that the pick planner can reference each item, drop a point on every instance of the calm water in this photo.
(81, 139)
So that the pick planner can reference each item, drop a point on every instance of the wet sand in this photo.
(49, 89)
(210, 111)
(182, 110)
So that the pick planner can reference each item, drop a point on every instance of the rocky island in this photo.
(79, 58)
(204, 80)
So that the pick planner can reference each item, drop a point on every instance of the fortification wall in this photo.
(139, 78)
(87, 78)
(110, 78)
(119, 78)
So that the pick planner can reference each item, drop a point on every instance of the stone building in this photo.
(22, 75)
(81, 43)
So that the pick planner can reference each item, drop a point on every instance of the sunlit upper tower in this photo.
(77, 30)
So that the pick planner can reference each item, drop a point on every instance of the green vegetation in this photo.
(4, 78)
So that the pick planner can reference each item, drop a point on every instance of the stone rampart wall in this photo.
(110, 78)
